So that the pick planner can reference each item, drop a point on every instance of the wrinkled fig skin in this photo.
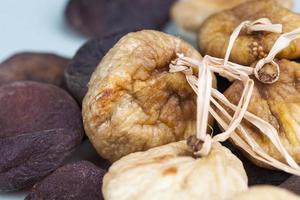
(86, 59)
(213, 36)
(40, 67)
(292, 184)
(133, 102)
(278, 104)
(266, 192)
(96, 18)
(190, 14)
(40, 126)
(80, 180)
(171, 172)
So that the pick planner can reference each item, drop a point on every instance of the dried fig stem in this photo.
(194, 143)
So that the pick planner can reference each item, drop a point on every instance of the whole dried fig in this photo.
(266, 192)
(100, 17)
(277, 104)
(80, 180)
(134, 102)
(40, 126)
(190, 14)
(41, 67)
(214, 33)
(85, 61)
(170, 172)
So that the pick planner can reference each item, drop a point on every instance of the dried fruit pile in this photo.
(138, 96)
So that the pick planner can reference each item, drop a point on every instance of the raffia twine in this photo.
(208, 98)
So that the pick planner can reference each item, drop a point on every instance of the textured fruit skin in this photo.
(40, 67)
(40, 126)
(134, 103)
(292, 184)
(80, 180)
(277, 104)
(96, 18)
(215, 32)
(190, 14)
(171, 172)
(86, 59)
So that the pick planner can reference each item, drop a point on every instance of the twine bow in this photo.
(206, 95)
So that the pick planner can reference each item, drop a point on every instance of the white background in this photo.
(36, 25)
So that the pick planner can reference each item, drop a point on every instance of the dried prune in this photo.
(99, 17)
(80, 180)
(171, 172)
(214, 33)
(134, 102)
(41, 67)
(40, 126)
(292, 184)
(265, 192)
(86, 59)
(278, 104)
(190, 14)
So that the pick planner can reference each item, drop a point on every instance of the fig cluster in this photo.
(118, 94)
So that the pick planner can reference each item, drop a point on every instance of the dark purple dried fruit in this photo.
(99, 17)
(40, 126)
(81, 180)
(292, 184)
(41, 67)
(85, 61)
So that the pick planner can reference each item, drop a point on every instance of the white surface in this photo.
(38, 25)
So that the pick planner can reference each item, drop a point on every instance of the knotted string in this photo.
(206, 95)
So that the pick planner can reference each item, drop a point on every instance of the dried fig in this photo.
(100, 17)
(190, 14)
(170, 172)
(266, 192)
(292, 184)
(214, 33)
(41, 67)
(278, 104)
(80, 180)
(86, 59)
(134, 102)
(40, 126)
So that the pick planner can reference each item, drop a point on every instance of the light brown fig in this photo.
(189, 14)
(266, 192)
(277, 104)
(171, 172)
(214, 33)
(134, 102)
